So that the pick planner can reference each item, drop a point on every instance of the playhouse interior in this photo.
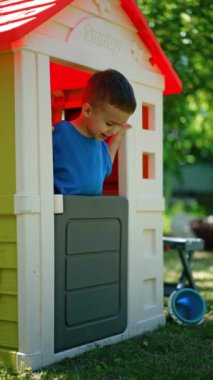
(67, 84)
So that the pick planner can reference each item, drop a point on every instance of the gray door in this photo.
(90, 270)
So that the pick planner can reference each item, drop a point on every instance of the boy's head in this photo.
(108, 102)
(110, 87)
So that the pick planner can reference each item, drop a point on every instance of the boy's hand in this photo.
(123, 129)
(116, 139)
(119, 134)
(126, 126)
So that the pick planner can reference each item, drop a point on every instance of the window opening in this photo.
(148, 119)
(148, 166)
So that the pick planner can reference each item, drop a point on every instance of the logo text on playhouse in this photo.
(105, 40)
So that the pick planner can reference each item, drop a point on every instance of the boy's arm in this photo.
(115, 140)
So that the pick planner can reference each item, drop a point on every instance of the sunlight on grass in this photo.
(202, 271)
(201, 265)
(171, 352)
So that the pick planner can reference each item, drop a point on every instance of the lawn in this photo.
(172, 352)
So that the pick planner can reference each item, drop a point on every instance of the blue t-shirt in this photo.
(80, 163)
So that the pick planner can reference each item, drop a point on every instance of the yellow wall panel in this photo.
(8, 356)
(6, 204)
(8, 228)
(7, 126)
(8, 255)
(8, 235)
(8, 281)
(8, 334)
(8, 308)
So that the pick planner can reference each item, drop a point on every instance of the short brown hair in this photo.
(110, 86)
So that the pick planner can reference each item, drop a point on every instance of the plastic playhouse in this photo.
(64, 284)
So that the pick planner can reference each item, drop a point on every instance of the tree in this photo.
(184, 30)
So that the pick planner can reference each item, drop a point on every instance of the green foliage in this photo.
(191, 207)
(184, 29)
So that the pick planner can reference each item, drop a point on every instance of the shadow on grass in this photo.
(171, 352)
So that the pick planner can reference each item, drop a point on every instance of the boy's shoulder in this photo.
(61, 123)
(63, 127)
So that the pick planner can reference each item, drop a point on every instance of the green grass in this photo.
(172, 352)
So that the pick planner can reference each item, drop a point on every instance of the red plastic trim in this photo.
(25, 16)
(173, 84)
(20, 17)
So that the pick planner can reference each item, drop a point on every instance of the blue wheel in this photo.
(187, 306)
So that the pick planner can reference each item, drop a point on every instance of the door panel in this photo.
(90, 270)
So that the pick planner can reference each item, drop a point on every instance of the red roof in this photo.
(20, 17)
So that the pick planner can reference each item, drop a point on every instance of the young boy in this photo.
(81, 158)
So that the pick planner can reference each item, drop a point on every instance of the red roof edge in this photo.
(16, 30)
(8, 36)
(173, 84)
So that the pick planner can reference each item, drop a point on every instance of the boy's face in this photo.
(104, 121)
